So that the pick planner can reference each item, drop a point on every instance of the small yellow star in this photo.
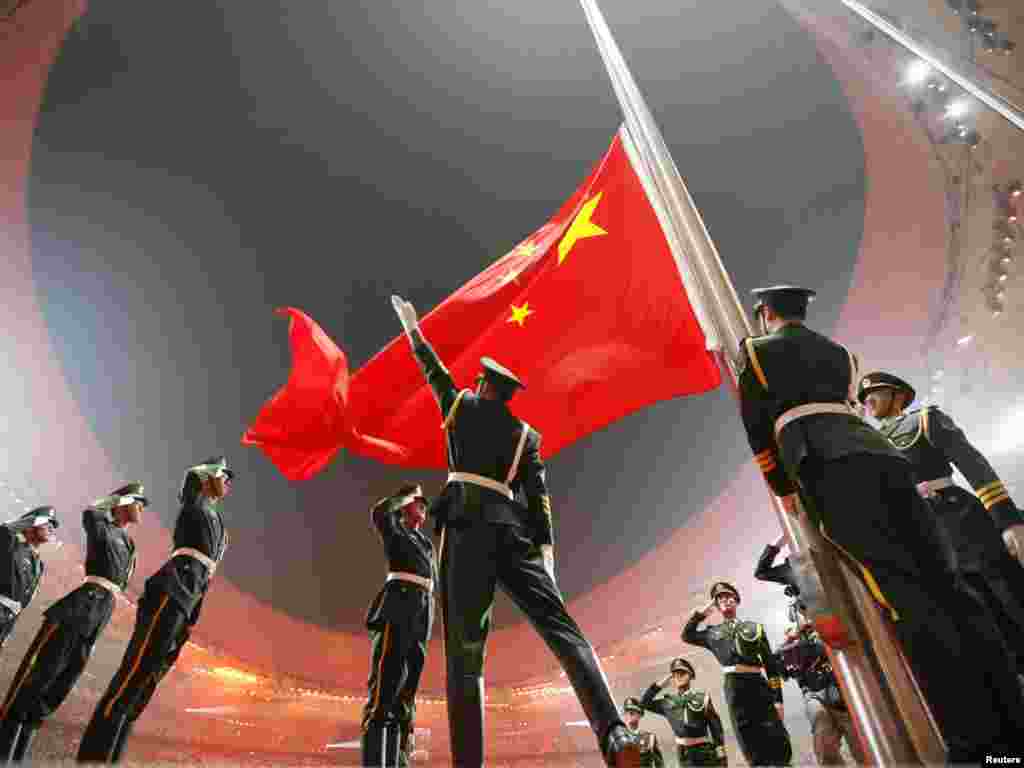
(582, 227)
(519, 314)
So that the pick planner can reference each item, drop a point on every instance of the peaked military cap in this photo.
(41, 516)
(724, 587)
(681, 665)
(632, 704)
(500, 374)
(883, 380)
(783, 297)
(213, 466)
(126, 494)
(400, 499)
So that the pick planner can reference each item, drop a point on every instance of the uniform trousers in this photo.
(761, 734)
(995, 578)
(161, 631)
(476, 557)
(399, 652)
(48, 672)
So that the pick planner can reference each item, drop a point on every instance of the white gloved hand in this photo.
(406, 313)
(1013, 537)
(547, 551)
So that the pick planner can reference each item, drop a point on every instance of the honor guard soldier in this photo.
(700, 738)
(19, 580)
(167, 611)
(650, 752)
(796, 393)
(753, 679)
(932, 442)
(496, 518)
(72, 625)
(803, 658)
(399, 619)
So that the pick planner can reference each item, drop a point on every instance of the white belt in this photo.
(107, 584)
(692, 741)
(810, 409)
(486, 482)
(928, 488)
(11, 604)
(742, 668)
(412, 578)
(195, 554)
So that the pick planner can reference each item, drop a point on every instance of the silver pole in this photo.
(985, 95)
(880, 718)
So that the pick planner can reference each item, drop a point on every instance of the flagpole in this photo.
(890, 717)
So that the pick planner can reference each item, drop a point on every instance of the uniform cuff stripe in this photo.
(997, 500)
(994, 491)
(989, 487)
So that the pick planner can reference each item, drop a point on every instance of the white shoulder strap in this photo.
(852, 389)
(519, 454)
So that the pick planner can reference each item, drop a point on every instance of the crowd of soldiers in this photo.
(168, 609)
(943, 562)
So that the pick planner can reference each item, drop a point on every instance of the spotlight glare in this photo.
(964, 340)
(957, 109)
(918, 71)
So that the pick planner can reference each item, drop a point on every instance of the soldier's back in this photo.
(798, 366)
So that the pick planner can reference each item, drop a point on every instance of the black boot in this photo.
(24, 744)
(380, 744)
(622, 750)
(100, 738)
(466, 719)
(10, 732)
(122, 739)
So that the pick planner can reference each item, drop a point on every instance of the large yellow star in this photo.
(582, 227)
(519, 314)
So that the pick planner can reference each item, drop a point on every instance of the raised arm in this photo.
(384, 519)
(766, 571)
(437, 376)
(691, 634)
(650, 701)
(91, 520)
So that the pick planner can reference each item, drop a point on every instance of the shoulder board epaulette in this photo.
(750, 342)
(451, 411)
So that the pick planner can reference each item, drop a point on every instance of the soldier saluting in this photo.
(796, 388)
(700, 738)
(399, 620)
(650, 752)
(933, 444)
(23, 571)
(72, 625)
(496, 517)
(169, 608)
(753, 678)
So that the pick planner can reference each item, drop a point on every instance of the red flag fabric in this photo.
(589, 311)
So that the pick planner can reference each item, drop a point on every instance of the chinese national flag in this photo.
(589, 311)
